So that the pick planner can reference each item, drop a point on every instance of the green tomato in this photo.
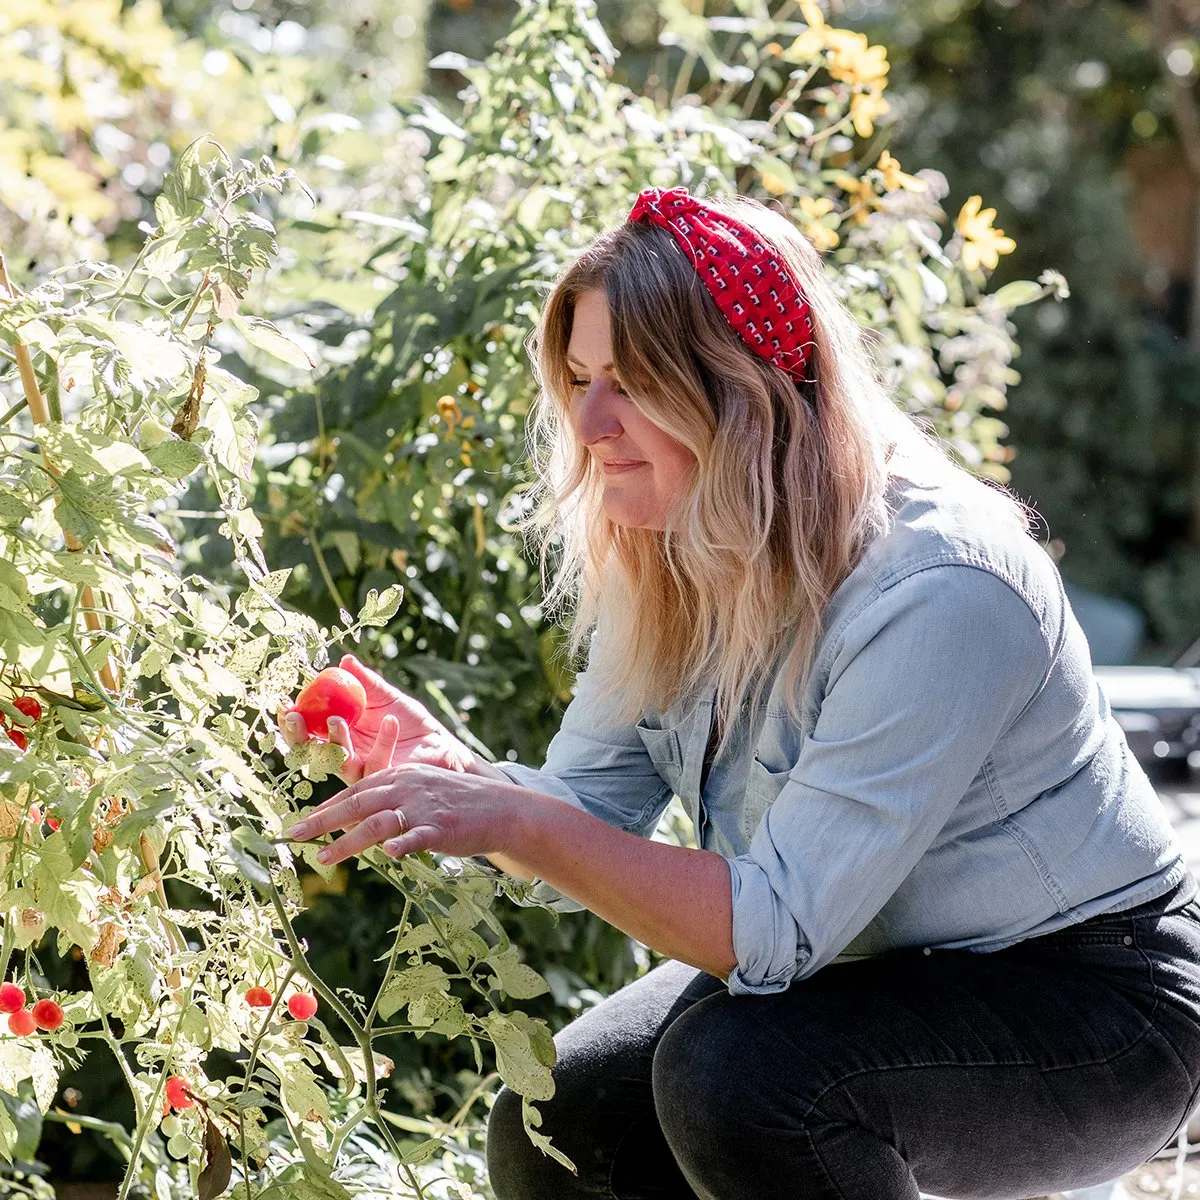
(180, 1146)
(171, 1126)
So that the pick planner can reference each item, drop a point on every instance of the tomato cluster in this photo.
(301, 1005)
(31, 707)
(45, 1014)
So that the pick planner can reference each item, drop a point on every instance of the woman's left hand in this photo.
(451, 812)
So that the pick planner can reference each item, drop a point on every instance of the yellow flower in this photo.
(865, 107)
(861, 193)
(812, 209)
(821, 236)
(852, 60)
(863, 199)
(894, 178)
(810, 10)
(449, 411)
(807, 46)
(982, 245)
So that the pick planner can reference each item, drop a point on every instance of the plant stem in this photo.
(187, 316)
(361, 1036)
(684, 77)
(387, 975)
(143, 1126)
(17, 408)
(323, 567)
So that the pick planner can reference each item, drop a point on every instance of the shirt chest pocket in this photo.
(762, 789)
(662, 745)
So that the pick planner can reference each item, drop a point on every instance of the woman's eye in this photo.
(583, 383)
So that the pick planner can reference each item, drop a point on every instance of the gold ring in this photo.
(402, 819)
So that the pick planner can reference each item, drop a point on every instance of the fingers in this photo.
(412, 841)
(339, 733)
(367, 833)
(385, 746)
(353, 804)
(293, 727)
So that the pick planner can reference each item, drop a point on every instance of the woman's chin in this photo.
(631, 519)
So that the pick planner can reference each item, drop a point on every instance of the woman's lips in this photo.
(616, 468)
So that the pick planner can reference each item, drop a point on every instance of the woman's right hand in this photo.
(393, 730)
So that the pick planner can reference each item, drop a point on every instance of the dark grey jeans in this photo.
(1057, 1063)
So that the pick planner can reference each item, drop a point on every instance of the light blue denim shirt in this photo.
(957, 780)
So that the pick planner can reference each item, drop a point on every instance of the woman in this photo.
(939, 933)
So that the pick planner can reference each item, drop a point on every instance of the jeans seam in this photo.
(939, 1064)
(837, 1187)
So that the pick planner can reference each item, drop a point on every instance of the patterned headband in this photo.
(743, 272)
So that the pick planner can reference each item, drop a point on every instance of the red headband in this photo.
(742, 271)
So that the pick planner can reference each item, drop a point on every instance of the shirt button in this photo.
(927, 950)
(1127, 940)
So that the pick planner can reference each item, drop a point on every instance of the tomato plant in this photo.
(145, 689)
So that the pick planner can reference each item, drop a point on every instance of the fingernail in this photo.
(325, 855)
(392, 847)
(298, 830)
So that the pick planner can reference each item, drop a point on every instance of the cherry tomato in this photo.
(302, 1006)
(48, 1014)
(258, 997)
(178, 1094)
(333, 693)
(30, 706)
(19, 738)
(12, 998)
(22, 1023)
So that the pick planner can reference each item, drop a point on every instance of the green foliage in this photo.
(1107, 413)
(154, 756)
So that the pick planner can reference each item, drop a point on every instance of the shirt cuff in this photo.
(541, 893)
(767, 943)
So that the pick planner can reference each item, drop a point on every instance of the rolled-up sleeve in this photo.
(599, 766)
(924, 679)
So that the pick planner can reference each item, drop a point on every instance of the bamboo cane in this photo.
(109, 672)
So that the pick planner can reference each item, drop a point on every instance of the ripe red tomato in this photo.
(178, 1095)
(21, 740)
(333, 693)
(302, 1006)
(22, 1023)
(258, 997)
(12, 998)
(30, 706)
(54, 823)
(48, 1014)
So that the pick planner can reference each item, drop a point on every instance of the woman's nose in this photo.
(597, 416)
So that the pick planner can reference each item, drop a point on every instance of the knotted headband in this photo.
(742, 271)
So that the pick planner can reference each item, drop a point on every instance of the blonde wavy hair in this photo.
(788, 487)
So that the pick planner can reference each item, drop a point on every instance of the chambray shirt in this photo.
(957, 780)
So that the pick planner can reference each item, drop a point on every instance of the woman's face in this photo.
(613, 430)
